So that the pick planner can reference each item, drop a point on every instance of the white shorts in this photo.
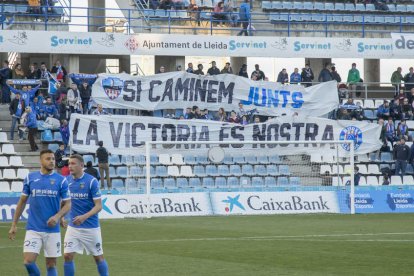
(79, 239)
(51, 243)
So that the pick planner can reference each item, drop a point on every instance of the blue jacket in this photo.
(37, 108)
(50, 109)
(31, 120)
(382, 110)
(295, 78)
(244, 12)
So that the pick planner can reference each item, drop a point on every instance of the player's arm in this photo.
(65, 207)
(96, 209)
(17, 214)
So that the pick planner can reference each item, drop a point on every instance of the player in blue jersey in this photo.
(84, 232)
(49, 202)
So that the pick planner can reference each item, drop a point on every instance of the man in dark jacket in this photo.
(199, 70)
(325, 74)
(5, 74)
(103, 164)
(85, 93)
(335, 74)
(402, 155)
(31, 124)
(307, 76)
(409, 80)
(259, 73)
(16, 111)
(243, 71)
(283, 76)
(213, 70)
(91, 170)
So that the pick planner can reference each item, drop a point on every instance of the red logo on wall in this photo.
(131, 44)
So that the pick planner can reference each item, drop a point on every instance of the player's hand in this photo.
(63, 223)
(12, 232)
(79, 219)
(53, 221)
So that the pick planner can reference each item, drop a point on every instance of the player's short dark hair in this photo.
(46, 151)
(77, 157)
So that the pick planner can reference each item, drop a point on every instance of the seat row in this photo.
(7, 149)
(374, 180)
(15, 187)
(12, 174)
(3, 138)
(11, 161)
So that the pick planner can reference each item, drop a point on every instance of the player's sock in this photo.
(69, 268)
(51, 271)
(103, 268)
(32, 269)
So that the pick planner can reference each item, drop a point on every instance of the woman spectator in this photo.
(18, 72)
(233, 117)
(218, 14)
(33, 72)
(244, 120)
(221, 115)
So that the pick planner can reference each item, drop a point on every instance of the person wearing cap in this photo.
(199, 70)
(353, 79)
(260, 75)
(307, 76)
(16, 111)
(213, 70)
(227, 69)
(243, 71)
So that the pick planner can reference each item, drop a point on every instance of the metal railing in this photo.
(206, 22)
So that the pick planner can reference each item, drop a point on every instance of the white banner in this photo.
(99, 43)
(126, 134)
(182, 90)
(258, 203)
(403, 44)
(161, 205)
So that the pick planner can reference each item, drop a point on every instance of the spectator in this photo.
(401, 156)
(33, 72)
(218, 13)
(231, 17)
(195, 113)
(256, 120)
(396, 79)
(384, 110)
(358, 113)
(357, 176)
(227, 69)
(243, 71)
(43, 74)
(325, 74)
(91, 170)
(385, 180)
(380, 122)
(178, 68)
(244, 17)
(241, 112)
(187, 114)
(5, 74)
(221, 115)
(402, 131)
(103, 158)
(254, 76)
(409, 80)
(178, 4)
(283, 76)
(344, 114)
(335, 74)
(37, 107)
(49, 109)
(64, 132)
(31, 124)
(199, 70)
(59, 154)
(190, 68)
(407, 110)
(259, 73)
(353, 79)
(161, 70)
(295, 77)
(100, 111)
(65, 170)
(85, 94)
(16, 111)
(233, 117)
(61, 92)
(18, 72)
(205, 115)
(165, 5)
(59, 71)
(395, 109)
(213, 70)
(74, 100)
(194, 11)
(244, 120)
(390, 131)
(26, 94)
(64, 110)
(307, 76)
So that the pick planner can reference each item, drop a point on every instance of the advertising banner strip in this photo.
(98, 43)
(127, 134)
(182, 90)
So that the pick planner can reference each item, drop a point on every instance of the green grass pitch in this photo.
(244, 245)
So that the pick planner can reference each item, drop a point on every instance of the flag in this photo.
(52, 85)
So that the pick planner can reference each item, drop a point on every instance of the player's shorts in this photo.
(51, 243)
(79, 239)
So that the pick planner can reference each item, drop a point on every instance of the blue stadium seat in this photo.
(190, 160)
(318, 17)
(139, 159)
(89, 157)
(260, 170)
(298, 5)
(221, 182)
(277, 5)
(172, 14)
(284, 170)
(252, 160)
(348, 18)
(239, 160)
(369, 7)
(270, 181)
(149, 13)
(401, 8)
(266, 5)
(257, 181)
(182, 182)
(114, 160)
(136, 171)
(156, 183)
(360, 7)
(131, 183)
(152, 170)
(211, 170)
(233, 182)
(245, 181)
(202, 160)
(272, 170)
(228, 160)
(295, 17)
(308, 6)
(118, 184)
(46, 136)
(379, 19)
(247, 170)
(287, 5)
(319, 6)
(339, 6)
(409, 169)
(329, 7)
(392, 8)
(21, 9)
(112, 172)
(263, 160)
(9, 9)
(169, 183)
(122, 172)
(159, 13)
(208, 182)
(335, 18)
(296, 181)
(208, 4)
(223, 170)
(274, 159)
(54, 147)
(386, 157)
(57, 136)
(408, 19)
(161, 171)
(154, 160)
(195, 182)
(391, 19)
(127, 159)
(142, 183)
(199, 171)
(282, 181)
(349, 7)
(205, 15)
(235, 170)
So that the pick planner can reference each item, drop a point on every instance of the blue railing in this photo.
(205, 22)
